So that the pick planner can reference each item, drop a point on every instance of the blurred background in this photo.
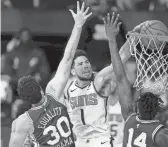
(34, 34)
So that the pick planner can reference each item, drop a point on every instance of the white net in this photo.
(151, 59)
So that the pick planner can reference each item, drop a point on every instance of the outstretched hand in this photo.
(81, 16)
(112, 26)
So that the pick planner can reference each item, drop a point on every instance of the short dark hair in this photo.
(29, 89)
(79, 53)
(149, 104)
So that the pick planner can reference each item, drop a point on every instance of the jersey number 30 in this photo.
(54, 129)
(140, 141)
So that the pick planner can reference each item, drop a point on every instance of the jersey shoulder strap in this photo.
(130, 117)
(51, 97)
(67, 88)
(156, 130)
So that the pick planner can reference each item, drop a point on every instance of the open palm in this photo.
(81, 16)
(112, 26)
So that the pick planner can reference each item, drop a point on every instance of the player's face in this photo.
(25, 36)
(82, 68)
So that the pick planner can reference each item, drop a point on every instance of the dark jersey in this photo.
(52, 127)
(140, 133)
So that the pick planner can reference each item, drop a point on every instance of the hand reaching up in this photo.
(81, 16)
(112, 26)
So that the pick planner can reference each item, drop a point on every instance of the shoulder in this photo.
(70, 84)
(22, 123)
(49, 86)
(51, 97)
(161, 136)
(130, 116)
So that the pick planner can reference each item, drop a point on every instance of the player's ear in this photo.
(73, 71)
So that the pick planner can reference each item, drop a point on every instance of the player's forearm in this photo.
(125, 52)
(72, 44)
(116, 59)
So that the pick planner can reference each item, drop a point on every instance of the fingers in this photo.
(83, 6)
(78, 7)
(82, 10)
(112, 19)
(72, 12)
(88, 15)
(104, 20)
(86, 11)
(116, 20)
(108, 18)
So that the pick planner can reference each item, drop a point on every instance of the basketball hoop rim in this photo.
(163, 38)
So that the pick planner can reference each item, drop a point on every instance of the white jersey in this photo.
(116, 123)
(87, 110)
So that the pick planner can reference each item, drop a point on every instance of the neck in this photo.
(82, 83)
(40, 103)
(144, 117)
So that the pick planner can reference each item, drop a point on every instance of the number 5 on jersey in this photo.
(55, 135)
(140, 141)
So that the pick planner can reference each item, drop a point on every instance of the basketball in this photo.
(156, 28)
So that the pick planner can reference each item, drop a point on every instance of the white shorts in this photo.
(103, 141)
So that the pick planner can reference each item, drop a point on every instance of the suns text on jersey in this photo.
(48, 116)
(83, 100)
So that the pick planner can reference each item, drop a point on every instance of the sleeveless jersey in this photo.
(116, 123)
(52, 127)
(140, 133)
(87, 110)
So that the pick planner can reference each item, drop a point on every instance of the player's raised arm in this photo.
(57, 84)
(161, 138)
(104, 76)
(124, 89)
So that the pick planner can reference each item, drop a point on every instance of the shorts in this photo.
(102, 141)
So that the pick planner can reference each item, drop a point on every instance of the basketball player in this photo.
(86, 99)
(141, 129)
(116, 122)
(47, 123)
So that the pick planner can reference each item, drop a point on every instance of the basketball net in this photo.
(152, 65)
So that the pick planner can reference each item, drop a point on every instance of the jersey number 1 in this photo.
(55, 134)
(140, 141)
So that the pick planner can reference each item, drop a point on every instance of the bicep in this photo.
(60, 80)
(18, 137)
(107, 71)
(162, 138)
(55, 91)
